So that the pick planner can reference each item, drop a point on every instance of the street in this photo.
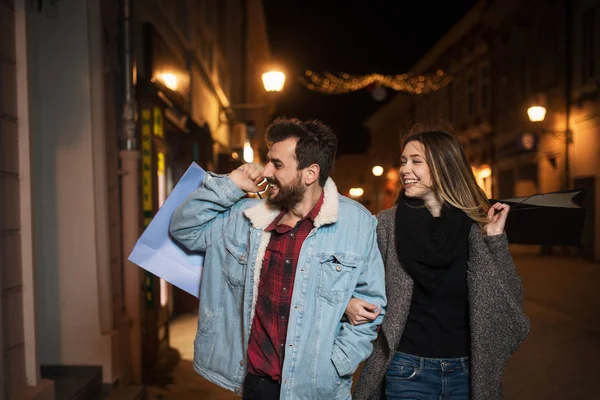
(557, 360)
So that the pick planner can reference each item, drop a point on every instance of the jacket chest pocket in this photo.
(336, 274)
(236, 263)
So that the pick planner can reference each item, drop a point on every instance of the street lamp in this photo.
(356, 192)
(377, 172)
(537, 114)
(273, 81)
(248, 153)
(485, 171)
(169, 80)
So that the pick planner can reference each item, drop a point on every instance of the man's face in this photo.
(286, 184)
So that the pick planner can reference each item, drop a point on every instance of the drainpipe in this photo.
(129, 106)
(130, 206)
(103, 267)
(568, 88)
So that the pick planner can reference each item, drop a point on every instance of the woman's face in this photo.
(414, 171)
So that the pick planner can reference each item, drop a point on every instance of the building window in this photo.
(210, 15)
(181, 16)
(587, 58)
(484, 85)
(224, 81)
(548, 51)
(506, 183)
(471, 94)
(207, 54)
(456, 97)
(443, 102)
(196, 27)
(523, 78)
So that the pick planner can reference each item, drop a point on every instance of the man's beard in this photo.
(288, 196)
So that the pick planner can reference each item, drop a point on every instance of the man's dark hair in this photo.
(317, 144)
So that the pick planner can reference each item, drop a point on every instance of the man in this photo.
(278, 273)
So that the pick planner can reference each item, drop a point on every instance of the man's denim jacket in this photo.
(339, 259)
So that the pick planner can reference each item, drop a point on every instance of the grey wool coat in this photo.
(498, 323)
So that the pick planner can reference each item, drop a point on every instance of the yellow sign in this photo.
(160, 164)
(158, 122)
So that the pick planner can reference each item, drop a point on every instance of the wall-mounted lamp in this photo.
(169, 80)
(356, 192)
(273, 81)
(248, 153)
(485, 171)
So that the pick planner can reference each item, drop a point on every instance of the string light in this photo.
(329, 83)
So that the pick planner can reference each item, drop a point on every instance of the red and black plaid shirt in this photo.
(266, 346)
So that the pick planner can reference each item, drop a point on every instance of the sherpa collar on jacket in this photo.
(262, 214)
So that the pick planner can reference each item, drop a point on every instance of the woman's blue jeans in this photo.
(418, 378)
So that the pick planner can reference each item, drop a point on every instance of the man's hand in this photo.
(247, 177)
(359, 311)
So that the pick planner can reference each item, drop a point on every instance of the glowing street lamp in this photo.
(273, 81)
(378, 170)
(356, 192)
(536, 113)
(248, 153)
(169, 80)
(485, 171)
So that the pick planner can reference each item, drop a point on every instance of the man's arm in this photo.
(199, 221)
(353, 344)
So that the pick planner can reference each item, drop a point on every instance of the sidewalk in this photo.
(557, 360)
(187, 384)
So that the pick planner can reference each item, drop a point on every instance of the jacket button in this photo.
(242, 363)
(242, 258)
(338, 268)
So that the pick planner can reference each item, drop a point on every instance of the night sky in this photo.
(386, 37)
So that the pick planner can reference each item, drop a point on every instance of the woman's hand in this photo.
(497, 221)
(359, 311)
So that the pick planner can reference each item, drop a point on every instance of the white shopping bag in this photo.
(158, 253)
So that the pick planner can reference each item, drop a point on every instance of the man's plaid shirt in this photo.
(266, 347)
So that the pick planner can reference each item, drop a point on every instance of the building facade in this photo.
(505, 57)
(78, 184)
(19, 365)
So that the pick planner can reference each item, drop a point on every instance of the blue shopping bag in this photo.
(158, 253)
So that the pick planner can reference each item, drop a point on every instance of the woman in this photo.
(454, 313)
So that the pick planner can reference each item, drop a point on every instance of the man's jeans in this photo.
(260, 388)
(411, 377)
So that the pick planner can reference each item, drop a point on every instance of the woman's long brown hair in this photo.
(451, 173)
